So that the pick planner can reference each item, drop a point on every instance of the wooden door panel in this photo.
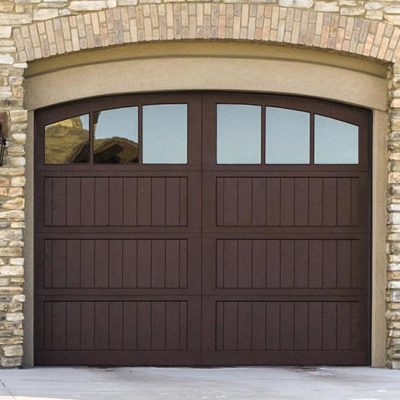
(287, 202)
(286, 252)
(255, 330)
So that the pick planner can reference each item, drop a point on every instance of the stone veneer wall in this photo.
(32, 29)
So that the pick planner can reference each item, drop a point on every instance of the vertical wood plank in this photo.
(183, 325)
(329, 325)
(129, 263)
(219, 318)
(48, 263)
(183, 201)
(259, 201)
(59, 202)
(329, 201)
(329, 264)
(144, 264)
(259, 263)
(101, 327)
(73, 201)
(220, 201)
(355, 198)
(102, 193)
(172, 325)
(130, 195)
(220, 266)
(301, 262)
(101, 259)
(158, 263)
(287, 326)
(273, 201)
(273, 266)
(87, 263)
(315, 325)
(73, 264)
(144, 325)
(130, 325)
(48, 201)
(244, 201)
(144, 201)
(315, 202)
(344, 327)
(258, 325)
(230, 202)
(59, 324)
(87, 201)
(116, 204)
(172, 201)
(158, 198)
(273, 326)
(115, 325)
(87, 325)
(183, 264)
(343, 263)
(244, 325)
(116, 264)
(230, 263)
(230, 325)
(315, 263)
(172, 264)
(158, 326)
(301, 326)
(48, 326)
(301, 202)
(73, 325)
(287, 202)
(344, 201)
(287, 263)
(59, 263)
(244, 263)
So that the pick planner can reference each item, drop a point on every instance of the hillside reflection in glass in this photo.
(67, 141)
(116, 136)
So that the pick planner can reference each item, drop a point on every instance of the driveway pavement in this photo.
(200, 384)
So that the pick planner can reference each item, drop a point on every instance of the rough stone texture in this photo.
(33, 29)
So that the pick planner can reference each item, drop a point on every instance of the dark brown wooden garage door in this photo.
(202, 229)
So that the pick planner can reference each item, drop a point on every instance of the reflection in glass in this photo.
(238, 134)
(165, 134)
(336, 142)
(67, 141)
(287, 136)
(116, 136)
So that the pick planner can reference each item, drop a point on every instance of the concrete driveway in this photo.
(195, 384)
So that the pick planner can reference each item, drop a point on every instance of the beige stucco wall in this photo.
(222, 67)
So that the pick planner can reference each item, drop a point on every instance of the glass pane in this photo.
(116, 136)
(336, 142)
(287, 136)
(165, 134)
(238, 134)
(67, 141)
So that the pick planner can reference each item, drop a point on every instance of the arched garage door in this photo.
(202, 229)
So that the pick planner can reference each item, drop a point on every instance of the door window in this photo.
(238, 134)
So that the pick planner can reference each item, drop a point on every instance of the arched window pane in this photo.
(336, 142)
(238, 134)
(287, 136)
(67, 141)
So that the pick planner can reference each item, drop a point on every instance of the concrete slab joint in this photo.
(42, 29)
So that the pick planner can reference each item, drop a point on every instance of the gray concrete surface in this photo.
(200, 384)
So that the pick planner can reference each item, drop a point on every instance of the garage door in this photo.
(202, 229)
